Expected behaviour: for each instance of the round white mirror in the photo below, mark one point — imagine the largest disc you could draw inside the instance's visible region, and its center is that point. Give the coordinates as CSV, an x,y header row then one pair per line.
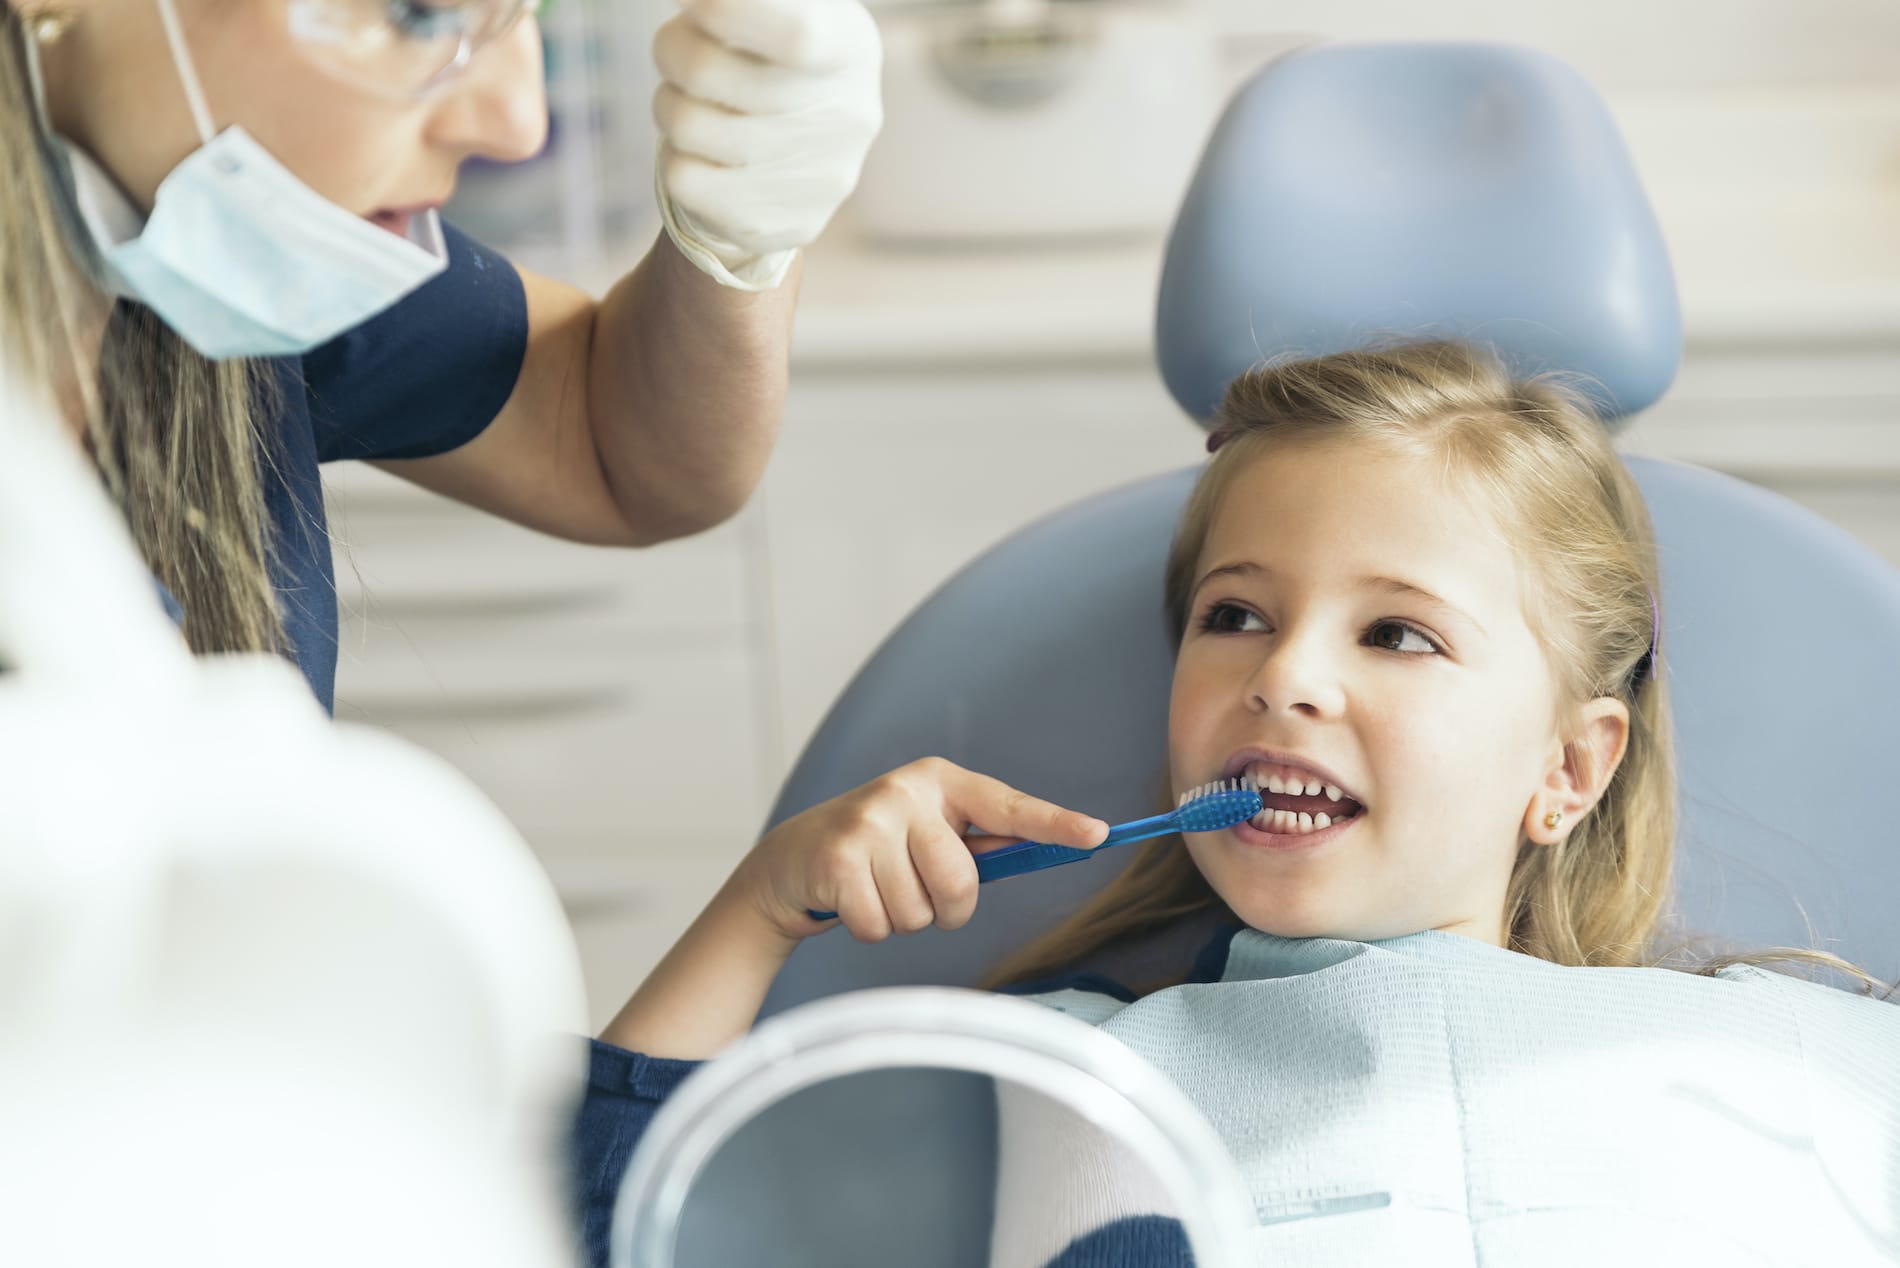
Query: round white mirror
x,y
928,1126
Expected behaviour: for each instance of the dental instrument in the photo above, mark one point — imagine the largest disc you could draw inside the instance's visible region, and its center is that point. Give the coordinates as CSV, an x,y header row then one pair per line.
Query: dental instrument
x,y
1207,808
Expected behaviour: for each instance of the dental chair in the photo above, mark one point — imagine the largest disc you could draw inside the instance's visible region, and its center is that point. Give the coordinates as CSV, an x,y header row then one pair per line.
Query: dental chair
x,y
1351,193
1348,193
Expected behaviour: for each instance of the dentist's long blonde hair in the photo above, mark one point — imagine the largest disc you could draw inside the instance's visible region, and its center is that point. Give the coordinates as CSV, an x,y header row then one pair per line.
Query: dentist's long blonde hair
x,y
1534,453
175,437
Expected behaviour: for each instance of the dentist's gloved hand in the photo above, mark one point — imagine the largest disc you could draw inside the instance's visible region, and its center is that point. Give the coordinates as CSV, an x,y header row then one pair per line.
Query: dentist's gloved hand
x,y
766,113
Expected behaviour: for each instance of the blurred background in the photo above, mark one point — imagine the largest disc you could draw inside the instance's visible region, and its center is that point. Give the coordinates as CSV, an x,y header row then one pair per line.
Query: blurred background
x,y
974,350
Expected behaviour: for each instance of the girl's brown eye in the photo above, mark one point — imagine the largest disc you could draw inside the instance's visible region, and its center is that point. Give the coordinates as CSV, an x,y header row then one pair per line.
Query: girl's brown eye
x,y
1391,636
1226,618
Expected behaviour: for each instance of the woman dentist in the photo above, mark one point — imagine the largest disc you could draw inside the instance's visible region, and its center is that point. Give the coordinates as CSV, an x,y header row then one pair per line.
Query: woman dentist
x,y
259,181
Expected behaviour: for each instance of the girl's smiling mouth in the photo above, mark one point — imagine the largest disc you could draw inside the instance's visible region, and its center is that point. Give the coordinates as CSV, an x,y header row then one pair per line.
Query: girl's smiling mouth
x,y
1301,807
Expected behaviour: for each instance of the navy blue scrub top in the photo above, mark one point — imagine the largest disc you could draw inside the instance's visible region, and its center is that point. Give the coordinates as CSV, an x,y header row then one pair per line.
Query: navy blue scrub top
x,y
421,378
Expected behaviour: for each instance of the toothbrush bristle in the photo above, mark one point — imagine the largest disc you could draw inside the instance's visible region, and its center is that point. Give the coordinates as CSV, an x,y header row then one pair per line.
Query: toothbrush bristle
x,y
1219,804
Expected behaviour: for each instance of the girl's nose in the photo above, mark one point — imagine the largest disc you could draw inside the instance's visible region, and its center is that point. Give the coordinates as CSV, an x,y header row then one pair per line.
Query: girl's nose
x,y
498,108
1296,675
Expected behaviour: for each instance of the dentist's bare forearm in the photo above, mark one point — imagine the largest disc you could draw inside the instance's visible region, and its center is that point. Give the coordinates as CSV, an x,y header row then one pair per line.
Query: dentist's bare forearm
x,y
707,991
686,388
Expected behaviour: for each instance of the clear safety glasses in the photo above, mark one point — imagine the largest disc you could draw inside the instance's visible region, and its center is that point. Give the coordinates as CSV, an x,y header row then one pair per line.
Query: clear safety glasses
x,y
401,49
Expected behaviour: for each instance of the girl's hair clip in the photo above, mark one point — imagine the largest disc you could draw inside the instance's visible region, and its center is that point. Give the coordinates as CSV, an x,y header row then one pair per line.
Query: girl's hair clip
x,y
1218,436
1647,664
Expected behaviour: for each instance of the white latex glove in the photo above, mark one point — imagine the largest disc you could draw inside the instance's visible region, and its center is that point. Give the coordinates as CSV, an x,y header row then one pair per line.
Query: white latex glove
x,y
766,112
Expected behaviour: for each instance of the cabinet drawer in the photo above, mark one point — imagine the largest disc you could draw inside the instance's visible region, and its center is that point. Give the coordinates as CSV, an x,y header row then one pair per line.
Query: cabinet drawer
x,y
403,552
571,726
1869,508
1770,412
627,907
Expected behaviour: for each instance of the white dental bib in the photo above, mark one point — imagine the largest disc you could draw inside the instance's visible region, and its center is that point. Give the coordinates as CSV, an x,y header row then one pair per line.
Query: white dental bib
x,y
1432,1100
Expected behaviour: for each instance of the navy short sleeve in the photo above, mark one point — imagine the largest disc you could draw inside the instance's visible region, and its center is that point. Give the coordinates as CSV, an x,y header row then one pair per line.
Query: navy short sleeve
x,y
427,375
421,378
624,1091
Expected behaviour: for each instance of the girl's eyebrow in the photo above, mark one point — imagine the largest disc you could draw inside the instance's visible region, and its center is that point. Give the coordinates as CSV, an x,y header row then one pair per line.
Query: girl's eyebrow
x,y
1390,585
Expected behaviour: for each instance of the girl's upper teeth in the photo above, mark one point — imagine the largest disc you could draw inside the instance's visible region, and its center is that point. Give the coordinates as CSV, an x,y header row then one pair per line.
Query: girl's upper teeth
x,y
1290,783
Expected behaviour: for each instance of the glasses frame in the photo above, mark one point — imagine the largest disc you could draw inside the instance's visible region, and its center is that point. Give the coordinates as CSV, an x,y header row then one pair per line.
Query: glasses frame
x,y
468,44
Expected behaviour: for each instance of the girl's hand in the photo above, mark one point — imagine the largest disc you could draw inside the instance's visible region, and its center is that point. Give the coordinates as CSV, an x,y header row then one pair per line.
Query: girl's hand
x,y
896,854
892,855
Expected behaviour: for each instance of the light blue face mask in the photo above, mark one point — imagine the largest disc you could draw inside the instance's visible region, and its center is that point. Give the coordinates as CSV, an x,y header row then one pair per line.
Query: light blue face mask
x,y
239,257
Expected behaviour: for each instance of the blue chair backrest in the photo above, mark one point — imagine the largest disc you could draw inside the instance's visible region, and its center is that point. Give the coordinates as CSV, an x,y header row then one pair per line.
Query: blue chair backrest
x,y
1459,190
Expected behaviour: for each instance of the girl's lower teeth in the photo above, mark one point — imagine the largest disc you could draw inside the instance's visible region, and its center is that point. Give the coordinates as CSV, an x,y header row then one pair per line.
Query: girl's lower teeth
x,y
1285,821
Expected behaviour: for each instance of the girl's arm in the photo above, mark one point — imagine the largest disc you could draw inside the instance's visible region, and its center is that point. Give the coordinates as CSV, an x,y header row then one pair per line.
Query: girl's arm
x,y
892,856
701,997
706,992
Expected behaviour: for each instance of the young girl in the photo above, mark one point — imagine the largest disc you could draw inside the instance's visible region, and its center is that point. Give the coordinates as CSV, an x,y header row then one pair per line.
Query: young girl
x,y
1418,601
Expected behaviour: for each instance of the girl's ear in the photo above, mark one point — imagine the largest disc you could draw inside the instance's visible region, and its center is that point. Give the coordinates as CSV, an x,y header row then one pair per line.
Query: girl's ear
x,y
1579,771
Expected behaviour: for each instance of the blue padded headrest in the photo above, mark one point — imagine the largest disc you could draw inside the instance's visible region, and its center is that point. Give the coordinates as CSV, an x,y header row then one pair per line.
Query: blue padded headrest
x,y
1355,192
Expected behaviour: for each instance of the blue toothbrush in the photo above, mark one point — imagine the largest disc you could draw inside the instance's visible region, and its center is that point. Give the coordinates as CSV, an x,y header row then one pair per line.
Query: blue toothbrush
x,y
1209,808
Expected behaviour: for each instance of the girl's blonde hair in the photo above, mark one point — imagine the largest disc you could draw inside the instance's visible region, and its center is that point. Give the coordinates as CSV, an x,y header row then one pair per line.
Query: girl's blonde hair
x,y
175,436
1535,453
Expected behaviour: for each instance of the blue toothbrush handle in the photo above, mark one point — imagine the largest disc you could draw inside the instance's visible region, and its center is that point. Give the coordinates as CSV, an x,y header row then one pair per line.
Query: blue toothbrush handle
x,y
1035,856
1140,830
1024,856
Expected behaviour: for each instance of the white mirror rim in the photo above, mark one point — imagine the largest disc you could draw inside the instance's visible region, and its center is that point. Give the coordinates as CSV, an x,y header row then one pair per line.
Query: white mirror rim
x,y
1011,1040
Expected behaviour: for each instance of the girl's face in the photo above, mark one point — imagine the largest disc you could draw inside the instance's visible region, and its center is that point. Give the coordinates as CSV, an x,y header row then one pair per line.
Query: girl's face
x,y
1358,625
113,90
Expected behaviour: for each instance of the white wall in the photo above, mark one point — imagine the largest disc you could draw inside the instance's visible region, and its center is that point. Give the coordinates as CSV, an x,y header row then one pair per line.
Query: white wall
x,y
1639,45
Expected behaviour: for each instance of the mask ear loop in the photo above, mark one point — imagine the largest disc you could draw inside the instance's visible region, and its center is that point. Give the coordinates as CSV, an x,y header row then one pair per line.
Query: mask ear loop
x,y
35,77
187,74
62,188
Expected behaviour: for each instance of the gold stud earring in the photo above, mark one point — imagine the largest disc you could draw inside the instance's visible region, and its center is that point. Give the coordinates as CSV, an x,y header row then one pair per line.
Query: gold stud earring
x,y
1552,819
